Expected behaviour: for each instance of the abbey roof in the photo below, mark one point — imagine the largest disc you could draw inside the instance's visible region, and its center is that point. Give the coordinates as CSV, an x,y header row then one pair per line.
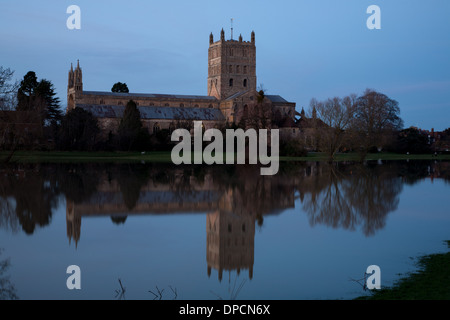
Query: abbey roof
x,y
160,113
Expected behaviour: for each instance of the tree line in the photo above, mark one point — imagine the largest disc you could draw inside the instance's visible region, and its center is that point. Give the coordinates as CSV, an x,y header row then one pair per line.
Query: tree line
x,y
31,118
368,123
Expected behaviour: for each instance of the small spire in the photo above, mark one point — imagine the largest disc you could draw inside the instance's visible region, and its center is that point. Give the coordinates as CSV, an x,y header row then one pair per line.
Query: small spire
x,y
78,63
211,38
222,35
71,67
253,36
240,38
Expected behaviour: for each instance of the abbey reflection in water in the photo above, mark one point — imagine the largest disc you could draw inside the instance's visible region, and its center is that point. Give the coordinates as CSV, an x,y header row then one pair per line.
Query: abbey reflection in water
x,y
235,198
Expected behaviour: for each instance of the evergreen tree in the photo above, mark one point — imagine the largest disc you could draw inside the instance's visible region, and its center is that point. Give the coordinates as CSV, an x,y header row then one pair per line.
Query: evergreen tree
x,y
132,135
120,87
79,130
26,93
39,96
46,91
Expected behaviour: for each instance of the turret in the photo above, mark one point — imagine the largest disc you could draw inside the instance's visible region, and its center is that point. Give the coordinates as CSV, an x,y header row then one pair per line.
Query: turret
x,y
71,81
78,77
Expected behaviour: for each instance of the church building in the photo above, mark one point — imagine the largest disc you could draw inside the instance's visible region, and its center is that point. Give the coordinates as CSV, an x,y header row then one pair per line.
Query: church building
x,y
231,92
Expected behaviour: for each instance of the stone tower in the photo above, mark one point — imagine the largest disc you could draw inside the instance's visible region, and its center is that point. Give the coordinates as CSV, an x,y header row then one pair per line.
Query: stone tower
x,y
74,86
230,238
231,66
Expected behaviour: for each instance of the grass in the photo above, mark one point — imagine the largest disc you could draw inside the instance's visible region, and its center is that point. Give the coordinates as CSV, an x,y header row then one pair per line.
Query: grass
x,y
164,157
430,282
70,157
371,156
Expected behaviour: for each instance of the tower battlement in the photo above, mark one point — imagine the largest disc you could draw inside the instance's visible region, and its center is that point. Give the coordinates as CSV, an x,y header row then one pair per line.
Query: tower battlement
x,y
231,66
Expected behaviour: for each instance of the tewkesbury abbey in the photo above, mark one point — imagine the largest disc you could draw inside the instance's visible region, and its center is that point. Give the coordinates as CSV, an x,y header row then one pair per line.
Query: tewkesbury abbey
x,y
231,95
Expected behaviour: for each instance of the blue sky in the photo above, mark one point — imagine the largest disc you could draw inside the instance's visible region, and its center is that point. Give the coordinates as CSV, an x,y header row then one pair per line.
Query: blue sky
x,y
305,49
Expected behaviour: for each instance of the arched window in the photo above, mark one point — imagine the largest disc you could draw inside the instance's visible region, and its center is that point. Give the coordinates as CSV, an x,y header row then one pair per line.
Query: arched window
x,y
182,105
231,82
245,83
156,127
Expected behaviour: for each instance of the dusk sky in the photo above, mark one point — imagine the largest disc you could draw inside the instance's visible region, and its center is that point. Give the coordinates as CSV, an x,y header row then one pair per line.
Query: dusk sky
x,y
305,49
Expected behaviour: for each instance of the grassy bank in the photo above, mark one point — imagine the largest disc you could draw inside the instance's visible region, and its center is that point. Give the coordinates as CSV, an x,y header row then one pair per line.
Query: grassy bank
x,y
164,157
430,282
71,157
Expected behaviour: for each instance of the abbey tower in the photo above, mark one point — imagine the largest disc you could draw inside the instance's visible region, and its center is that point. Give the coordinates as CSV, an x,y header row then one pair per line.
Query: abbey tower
x,y
231,66
231,93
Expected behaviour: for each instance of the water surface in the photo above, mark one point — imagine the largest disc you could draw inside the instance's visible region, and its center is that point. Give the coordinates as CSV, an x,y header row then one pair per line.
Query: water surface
x,y
216,232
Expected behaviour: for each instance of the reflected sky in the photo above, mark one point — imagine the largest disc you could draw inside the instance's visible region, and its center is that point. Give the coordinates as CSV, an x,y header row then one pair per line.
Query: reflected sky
x,y
226,232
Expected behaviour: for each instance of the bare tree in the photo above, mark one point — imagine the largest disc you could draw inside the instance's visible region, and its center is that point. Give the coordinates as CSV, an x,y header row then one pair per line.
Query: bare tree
x,y
335,116
376,118
8,89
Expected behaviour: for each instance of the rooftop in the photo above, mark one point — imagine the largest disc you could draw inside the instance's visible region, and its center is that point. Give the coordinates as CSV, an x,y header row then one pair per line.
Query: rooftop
x,y
150,95
162,113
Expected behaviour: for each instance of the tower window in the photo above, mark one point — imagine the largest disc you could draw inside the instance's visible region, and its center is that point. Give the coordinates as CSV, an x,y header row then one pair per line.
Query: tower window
x,y
245,69
230,69
231,82
237,69
245,83
156,127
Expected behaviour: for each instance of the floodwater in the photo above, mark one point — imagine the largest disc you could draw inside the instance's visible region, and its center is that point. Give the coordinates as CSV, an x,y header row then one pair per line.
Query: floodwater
x,y
216,232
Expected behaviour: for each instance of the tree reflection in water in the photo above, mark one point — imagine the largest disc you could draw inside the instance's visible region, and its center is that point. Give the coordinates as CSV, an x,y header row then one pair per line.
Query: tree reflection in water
x,y
346,196
339,195
7,289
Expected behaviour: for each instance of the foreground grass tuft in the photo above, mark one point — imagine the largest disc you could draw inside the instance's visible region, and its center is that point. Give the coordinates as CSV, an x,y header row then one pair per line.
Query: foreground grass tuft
x,y
430,282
